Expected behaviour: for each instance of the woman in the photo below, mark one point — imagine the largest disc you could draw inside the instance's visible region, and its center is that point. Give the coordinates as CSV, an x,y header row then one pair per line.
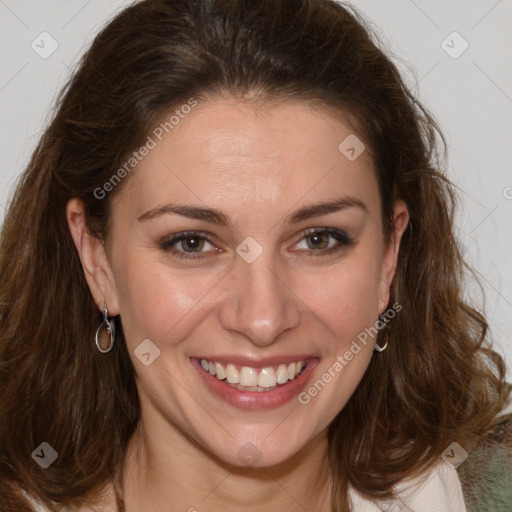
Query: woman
x,y
229,281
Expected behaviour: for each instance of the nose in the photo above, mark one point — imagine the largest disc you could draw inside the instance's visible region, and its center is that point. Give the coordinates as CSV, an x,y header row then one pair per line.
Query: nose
x,y
260,304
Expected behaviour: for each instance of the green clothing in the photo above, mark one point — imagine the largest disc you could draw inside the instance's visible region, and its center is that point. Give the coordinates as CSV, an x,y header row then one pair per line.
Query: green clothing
x,y
486,475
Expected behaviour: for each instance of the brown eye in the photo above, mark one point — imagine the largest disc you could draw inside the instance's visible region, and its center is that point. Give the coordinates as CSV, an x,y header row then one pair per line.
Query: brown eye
x,y
194,243
187,245
317,240
320,242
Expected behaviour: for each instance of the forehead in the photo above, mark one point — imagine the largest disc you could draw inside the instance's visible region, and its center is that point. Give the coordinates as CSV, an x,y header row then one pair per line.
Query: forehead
x,y
227,153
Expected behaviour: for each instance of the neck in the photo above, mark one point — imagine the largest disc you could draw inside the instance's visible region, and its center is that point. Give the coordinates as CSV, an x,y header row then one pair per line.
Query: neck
x,y
172,470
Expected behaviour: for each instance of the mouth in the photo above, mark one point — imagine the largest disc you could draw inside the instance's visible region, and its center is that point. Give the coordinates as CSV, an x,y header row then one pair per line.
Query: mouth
x,y
258,386
247,378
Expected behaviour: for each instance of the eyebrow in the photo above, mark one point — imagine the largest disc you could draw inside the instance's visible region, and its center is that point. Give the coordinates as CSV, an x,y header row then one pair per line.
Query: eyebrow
x,y
215,216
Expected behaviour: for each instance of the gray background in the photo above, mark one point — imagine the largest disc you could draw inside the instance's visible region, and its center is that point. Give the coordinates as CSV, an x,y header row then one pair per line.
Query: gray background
x,y
469,93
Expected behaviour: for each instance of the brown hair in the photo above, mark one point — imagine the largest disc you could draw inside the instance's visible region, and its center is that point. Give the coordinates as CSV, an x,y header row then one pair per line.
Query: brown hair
x,y
438,381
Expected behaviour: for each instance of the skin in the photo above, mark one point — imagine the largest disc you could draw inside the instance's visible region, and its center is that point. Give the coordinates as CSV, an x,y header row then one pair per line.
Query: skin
x,y
258,166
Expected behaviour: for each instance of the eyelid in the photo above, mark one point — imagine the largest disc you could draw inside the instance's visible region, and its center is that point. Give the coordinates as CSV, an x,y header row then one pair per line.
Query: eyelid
x,y
329,231
184,234
342,238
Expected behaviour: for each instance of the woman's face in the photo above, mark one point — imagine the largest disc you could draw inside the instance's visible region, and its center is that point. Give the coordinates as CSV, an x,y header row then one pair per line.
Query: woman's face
x,y
265,278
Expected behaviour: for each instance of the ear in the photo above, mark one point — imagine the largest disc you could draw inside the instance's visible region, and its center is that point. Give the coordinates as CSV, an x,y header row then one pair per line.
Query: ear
x,y
93,257
390,257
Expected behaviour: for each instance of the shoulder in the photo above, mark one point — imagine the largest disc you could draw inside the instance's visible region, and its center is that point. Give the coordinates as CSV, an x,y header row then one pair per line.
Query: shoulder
x,y
486,474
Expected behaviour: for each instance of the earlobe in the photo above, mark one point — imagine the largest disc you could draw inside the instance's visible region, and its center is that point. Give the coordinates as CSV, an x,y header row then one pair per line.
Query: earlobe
x,y
93,257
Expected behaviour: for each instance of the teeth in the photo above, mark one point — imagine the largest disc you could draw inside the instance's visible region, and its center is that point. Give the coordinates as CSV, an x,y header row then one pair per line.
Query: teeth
x,y
232,374
219,371
248,377
282,374
254,388
253,379
267,378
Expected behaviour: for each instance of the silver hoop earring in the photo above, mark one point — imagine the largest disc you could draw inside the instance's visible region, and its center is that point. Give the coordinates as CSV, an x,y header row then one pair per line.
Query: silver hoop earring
x,y
381,349
378,348
110,327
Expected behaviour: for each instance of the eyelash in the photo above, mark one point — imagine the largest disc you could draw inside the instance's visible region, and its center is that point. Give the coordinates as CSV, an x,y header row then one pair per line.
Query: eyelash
x,y
340,236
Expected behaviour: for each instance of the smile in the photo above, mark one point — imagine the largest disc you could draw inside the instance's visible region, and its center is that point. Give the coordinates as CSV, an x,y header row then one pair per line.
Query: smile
x,y
246,378
255,385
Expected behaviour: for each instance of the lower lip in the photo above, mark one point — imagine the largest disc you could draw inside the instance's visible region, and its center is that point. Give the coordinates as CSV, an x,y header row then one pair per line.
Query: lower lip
x,y
256,400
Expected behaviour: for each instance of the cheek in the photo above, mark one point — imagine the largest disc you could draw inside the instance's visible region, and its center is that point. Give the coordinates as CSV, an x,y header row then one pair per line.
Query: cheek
x,y
155,302
346,297
347,303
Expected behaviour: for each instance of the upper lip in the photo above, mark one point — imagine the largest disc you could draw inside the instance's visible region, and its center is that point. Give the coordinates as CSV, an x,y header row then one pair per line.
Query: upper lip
x,y
254,362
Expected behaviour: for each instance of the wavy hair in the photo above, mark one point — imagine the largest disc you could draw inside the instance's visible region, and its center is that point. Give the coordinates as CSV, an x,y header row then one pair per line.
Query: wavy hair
x,y
439,380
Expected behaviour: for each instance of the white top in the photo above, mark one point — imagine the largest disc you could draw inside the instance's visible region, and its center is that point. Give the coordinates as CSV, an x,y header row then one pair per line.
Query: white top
x,y
440,491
